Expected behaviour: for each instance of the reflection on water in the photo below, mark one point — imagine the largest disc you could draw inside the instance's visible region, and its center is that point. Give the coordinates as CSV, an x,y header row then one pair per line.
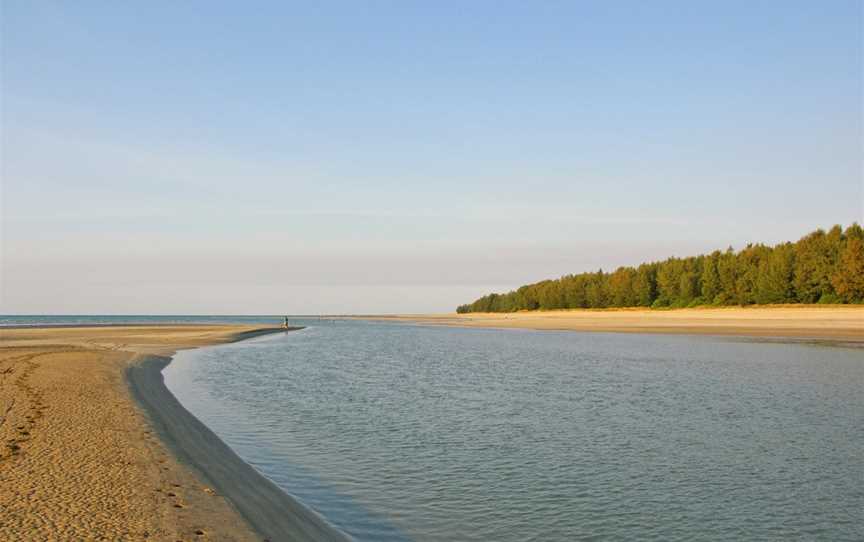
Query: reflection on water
x,y
427,433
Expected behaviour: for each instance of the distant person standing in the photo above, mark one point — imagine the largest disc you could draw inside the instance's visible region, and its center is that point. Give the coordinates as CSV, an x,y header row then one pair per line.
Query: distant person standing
x,y
285,323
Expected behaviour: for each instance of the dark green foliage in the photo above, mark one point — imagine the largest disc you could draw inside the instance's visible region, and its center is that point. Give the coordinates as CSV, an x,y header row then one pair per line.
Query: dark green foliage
x,y
848,277
710,279
820,268
776,271
645,285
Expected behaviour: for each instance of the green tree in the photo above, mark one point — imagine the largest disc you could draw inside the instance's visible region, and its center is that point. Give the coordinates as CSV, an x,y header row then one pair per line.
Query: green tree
x,y
727,271
686,288
669,281
848,279
645,285
776,272
550,295
816,255
621,287
710,277
823,267
595,290
574,292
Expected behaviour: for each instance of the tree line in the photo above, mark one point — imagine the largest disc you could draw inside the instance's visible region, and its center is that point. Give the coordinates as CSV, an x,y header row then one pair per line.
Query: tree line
x,y
822,267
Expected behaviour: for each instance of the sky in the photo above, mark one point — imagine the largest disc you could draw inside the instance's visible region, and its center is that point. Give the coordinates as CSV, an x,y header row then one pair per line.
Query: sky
x,y
392,157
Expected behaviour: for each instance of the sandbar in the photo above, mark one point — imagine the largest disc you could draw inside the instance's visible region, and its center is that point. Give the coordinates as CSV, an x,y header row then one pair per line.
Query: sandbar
x,y
93,446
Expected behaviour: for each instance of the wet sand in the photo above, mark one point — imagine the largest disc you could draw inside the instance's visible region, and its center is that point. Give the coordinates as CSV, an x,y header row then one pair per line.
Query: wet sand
x,y
838,323
81,459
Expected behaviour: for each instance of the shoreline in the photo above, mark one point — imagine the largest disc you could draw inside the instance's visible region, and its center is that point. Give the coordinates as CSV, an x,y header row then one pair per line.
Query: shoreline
x,y
269,511
836,324
79,406
83,454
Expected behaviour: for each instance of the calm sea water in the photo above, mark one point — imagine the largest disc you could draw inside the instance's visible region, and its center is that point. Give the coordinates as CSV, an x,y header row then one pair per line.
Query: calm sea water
x,y
397,432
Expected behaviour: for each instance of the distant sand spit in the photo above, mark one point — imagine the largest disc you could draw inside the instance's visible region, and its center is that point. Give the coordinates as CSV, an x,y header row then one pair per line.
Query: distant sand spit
x,y
808,322
81,460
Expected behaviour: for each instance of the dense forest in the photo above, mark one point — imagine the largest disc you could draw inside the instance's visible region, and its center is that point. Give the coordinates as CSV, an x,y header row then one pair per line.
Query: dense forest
x,y
822,267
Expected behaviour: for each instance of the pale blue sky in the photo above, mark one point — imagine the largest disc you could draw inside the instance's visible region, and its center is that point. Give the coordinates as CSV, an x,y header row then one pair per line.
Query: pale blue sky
x,y
210,157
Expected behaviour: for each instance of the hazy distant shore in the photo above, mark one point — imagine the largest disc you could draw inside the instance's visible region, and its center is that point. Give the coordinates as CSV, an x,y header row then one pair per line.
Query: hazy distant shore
x,y
82,458
43,325
843,323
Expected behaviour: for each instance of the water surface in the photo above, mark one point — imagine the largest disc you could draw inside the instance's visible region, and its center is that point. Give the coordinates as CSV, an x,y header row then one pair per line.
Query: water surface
x,y
398,432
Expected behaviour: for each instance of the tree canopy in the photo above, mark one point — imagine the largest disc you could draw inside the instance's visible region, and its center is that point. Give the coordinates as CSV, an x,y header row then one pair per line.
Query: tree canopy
x,y
822,267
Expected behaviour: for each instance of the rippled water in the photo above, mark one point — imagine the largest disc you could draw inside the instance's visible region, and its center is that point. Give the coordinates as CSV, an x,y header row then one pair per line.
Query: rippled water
x,y
398,432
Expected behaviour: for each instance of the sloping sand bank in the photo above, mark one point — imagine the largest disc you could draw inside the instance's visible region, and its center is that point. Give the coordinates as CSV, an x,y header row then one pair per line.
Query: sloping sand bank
x,y
832,323
81,460
271,512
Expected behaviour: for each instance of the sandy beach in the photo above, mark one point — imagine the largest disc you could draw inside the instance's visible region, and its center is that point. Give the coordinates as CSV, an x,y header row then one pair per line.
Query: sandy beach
x,y
95,447
808,322
82,459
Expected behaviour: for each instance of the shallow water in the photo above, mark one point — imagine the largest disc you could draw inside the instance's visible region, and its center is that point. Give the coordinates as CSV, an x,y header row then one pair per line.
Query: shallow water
x,y
398,432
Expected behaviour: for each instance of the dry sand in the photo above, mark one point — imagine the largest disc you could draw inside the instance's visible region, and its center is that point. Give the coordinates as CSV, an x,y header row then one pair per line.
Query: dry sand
x,y
78,457
832,323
